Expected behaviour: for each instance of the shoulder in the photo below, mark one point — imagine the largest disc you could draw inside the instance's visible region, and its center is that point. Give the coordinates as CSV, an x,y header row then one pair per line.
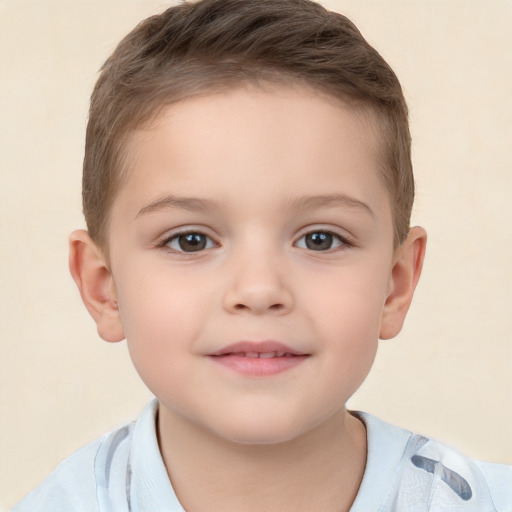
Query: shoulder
x,y
119,472
425,474
499,479
75,484
71,484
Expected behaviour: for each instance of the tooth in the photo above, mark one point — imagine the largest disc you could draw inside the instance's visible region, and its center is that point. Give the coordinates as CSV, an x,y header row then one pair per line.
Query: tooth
x,y
251,354
280,354
267,355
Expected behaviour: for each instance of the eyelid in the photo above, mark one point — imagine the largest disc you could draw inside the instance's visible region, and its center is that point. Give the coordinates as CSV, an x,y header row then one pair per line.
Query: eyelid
x,y
164,242
346,241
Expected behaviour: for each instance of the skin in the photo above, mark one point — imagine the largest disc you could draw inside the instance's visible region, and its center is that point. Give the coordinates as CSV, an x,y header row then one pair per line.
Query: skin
x,y
274,167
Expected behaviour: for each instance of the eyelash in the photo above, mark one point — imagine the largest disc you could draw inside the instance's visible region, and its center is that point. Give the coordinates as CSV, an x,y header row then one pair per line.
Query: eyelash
x,y
164,244
343,242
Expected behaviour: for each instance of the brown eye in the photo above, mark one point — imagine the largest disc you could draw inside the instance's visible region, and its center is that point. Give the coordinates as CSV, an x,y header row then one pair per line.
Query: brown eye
x,y
320,241
190,242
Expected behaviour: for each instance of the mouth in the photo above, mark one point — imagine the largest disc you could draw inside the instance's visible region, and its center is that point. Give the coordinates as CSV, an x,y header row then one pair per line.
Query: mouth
x,y
258,359
265,349
261,355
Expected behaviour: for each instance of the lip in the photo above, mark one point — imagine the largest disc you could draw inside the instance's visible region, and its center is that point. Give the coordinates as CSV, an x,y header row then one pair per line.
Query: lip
x,y
259,347
258,359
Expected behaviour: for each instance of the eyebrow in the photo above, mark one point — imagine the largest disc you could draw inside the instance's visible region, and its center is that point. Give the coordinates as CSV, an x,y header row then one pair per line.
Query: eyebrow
x,y
300,203
328,200
180,203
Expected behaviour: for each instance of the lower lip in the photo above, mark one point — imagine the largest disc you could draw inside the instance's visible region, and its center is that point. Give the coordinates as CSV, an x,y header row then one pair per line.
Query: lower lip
x,y
258,366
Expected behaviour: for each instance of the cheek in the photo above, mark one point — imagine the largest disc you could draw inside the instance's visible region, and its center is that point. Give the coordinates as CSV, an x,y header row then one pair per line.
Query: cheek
x,y
347,312
156,302
162,317
350,300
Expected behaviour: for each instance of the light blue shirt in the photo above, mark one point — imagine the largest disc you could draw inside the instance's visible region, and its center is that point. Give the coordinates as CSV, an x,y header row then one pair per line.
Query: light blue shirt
x,y
124,472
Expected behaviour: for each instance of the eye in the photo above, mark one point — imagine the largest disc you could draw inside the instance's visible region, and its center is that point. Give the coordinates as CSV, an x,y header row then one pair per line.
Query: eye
x,y
189,242
321,241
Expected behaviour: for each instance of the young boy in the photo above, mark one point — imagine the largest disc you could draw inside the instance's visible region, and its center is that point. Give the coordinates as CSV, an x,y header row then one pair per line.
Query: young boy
x,y
247,190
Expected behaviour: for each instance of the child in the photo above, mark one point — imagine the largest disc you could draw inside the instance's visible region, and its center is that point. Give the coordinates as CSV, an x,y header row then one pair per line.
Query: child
x,y
247,190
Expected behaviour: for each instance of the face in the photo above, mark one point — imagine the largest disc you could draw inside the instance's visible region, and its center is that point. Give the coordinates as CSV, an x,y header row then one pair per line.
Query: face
x,y
251,251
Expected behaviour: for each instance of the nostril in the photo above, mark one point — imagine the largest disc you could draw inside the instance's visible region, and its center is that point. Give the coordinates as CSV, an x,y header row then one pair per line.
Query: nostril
x,y
258,300
272,307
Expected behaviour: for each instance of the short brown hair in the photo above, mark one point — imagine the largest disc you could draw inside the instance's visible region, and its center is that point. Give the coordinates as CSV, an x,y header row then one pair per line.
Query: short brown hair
x,y
193,48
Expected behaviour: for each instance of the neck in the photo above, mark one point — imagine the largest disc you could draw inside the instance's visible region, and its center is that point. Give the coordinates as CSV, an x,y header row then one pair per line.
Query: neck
x,y
321,470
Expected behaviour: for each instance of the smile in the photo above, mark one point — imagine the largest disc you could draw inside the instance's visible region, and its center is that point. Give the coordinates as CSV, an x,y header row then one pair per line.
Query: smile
x,y
262,355
258,359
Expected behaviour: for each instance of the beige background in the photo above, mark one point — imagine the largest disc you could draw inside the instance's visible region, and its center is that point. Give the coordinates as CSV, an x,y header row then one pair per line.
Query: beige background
x,y
448,375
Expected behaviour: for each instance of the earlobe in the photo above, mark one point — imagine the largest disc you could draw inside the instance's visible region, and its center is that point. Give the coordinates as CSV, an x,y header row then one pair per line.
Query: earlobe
x,y
91,274
404,277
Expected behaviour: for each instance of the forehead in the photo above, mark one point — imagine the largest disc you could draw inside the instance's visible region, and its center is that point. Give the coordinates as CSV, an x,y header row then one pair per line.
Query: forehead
x,y
256,141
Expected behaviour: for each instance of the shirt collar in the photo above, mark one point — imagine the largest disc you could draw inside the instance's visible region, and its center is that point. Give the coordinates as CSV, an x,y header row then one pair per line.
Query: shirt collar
x,y
386,448
150,488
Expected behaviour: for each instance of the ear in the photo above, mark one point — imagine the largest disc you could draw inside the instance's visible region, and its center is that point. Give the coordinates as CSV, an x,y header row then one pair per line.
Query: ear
x,y
406,271
91,274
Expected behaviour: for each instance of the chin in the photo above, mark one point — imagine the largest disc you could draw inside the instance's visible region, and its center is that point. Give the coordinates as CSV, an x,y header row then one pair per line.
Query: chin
x,y
263,431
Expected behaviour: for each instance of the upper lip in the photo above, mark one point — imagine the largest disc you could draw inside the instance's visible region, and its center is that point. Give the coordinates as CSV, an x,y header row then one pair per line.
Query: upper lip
x,y
259,347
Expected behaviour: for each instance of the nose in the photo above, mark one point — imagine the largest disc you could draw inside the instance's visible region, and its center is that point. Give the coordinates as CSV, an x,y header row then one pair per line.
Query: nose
x,y
257,285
